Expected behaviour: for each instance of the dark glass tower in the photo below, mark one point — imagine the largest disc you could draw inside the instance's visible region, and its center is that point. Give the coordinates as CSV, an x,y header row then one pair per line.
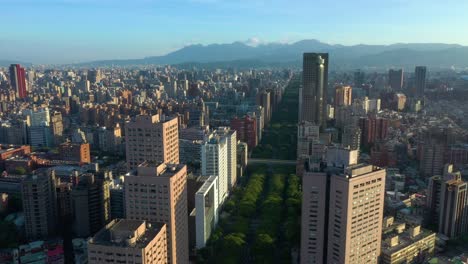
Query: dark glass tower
x,y
313,94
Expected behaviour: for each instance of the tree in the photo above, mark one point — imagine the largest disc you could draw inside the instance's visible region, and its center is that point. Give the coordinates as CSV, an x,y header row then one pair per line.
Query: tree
x,y
20,170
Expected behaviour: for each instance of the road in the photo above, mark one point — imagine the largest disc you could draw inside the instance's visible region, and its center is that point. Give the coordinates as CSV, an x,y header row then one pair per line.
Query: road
x,y
272,161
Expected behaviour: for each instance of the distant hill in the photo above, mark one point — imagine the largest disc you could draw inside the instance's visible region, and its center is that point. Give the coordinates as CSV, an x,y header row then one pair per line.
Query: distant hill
x,y
6,63
435,55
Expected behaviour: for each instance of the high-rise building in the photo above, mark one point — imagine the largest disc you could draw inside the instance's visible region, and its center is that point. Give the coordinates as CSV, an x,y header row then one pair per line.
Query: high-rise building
x,y
215,163
351,137
453,215
129,241
343,95
18,80
420,80
359,78
38,193
206,217
264,100
246,129
342,214
447,202
395,79
231,139
148,138
313,94
91,205
158,193
373,129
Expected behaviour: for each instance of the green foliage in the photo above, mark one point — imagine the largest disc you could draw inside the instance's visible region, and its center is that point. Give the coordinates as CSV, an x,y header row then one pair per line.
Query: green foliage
x,y
20,171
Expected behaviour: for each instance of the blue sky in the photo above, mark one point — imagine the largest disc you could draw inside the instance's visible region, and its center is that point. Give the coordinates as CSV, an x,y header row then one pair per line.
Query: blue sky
x,y
63,31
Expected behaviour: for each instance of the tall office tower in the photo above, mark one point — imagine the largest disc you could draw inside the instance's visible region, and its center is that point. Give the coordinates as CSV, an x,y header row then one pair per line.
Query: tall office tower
x,y
231,140
395,79
148,138
453,204
434,190
420,80
91,205
359,78
342,213
117,201
351,137
38,193
18,80
215,163
313,94
158,193
343,95
129,241
264,100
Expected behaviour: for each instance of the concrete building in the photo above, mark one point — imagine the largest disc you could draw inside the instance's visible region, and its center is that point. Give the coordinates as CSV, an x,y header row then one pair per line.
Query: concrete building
x,y
246,129
158,193
206,209
400,101
313,94
405,244
38,193
307,134
343,95
75,152
91,205
373,129
420,80
395,79
129,241
351,137
231,141
342,214
149,138
18,80
215,162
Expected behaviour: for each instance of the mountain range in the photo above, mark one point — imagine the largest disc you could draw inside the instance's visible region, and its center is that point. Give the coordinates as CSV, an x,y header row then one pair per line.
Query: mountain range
x,y
241,55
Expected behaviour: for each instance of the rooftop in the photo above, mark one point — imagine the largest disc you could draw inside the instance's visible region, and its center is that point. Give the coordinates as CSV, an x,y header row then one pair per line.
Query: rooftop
x,y
127,233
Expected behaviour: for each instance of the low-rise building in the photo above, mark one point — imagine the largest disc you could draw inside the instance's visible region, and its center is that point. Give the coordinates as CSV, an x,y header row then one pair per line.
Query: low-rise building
x,y
405,244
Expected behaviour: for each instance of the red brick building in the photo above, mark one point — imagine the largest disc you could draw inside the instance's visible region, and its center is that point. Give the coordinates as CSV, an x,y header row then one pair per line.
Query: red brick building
x,y
8,151
246,128
75,152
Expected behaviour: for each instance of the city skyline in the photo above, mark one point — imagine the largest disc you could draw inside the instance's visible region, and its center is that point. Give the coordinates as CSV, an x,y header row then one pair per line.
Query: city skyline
x,y
68,31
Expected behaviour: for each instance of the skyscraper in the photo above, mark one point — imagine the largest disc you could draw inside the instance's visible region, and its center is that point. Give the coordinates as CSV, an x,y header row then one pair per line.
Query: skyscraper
x,y
342,213
148,138
215,163
39,196
158,193
447,201
18,80
313,94
420,80
91,205
395,79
